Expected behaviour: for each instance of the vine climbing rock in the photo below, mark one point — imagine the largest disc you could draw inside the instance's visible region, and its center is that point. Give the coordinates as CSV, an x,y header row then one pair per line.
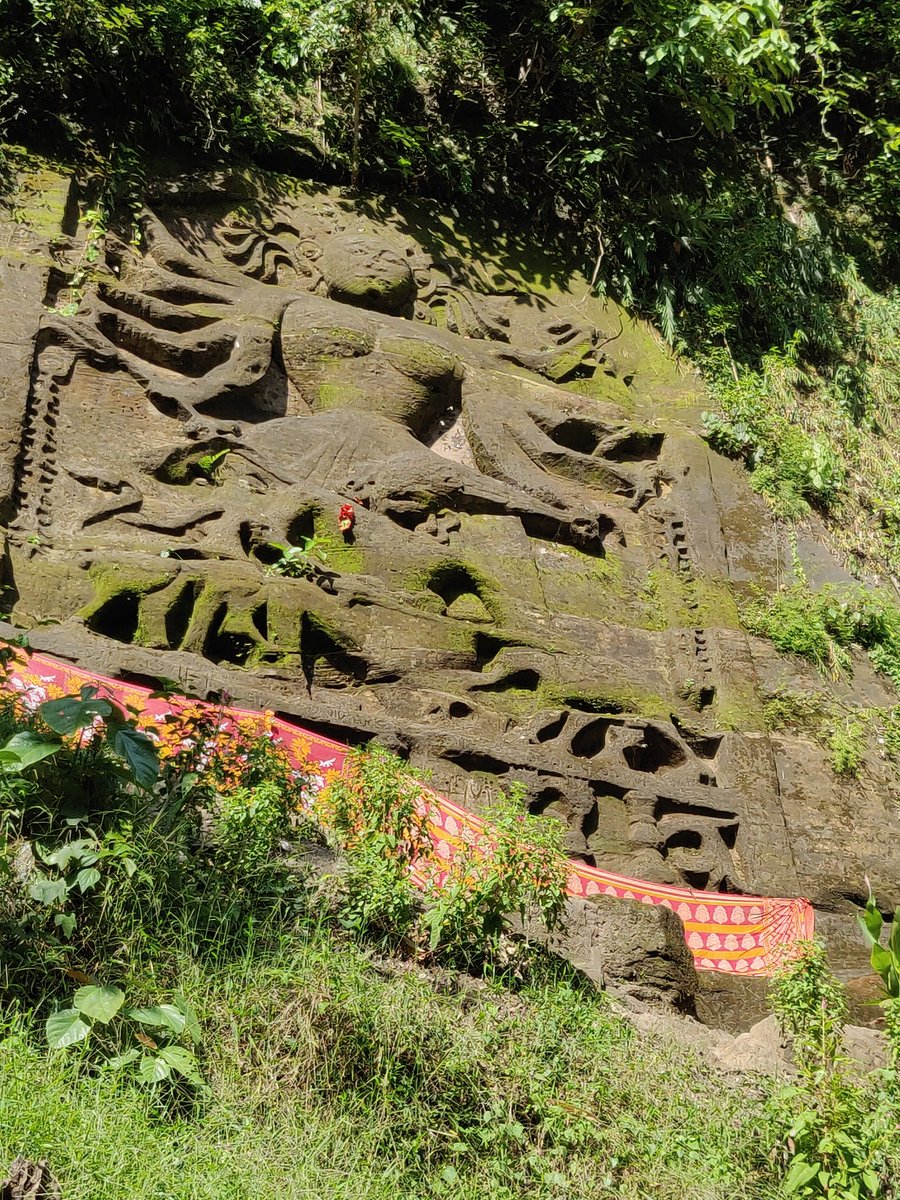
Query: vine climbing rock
x,y
545,565
30,1181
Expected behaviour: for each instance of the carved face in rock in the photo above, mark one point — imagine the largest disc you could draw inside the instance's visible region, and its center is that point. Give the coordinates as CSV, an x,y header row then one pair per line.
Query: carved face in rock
x,y
368,273
536,583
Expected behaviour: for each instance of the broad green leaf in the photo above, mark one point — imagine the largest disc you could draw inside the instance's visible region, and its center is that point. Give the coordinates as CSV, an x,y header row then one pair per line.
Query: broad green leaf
x,y
162,1016
881,961
154,1017
894,939
81,849
175,1017
48,891
138,751
87,878
191,1024
26,749
65,1028
66,923
99,1003
72,713
153,1069
800,1172
182,1063
870,922
123,1060
870,1179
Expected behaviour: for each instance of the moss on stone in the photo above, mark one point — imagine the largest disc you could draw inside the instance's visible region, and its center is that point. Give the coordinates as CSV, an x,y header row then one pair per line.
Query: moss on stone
x,y
567,359
633,701
608,569
111,582
605,389
433,576
468,607
738,707
678,600
338,394
341,555
383,293
324,345
42,197
419,358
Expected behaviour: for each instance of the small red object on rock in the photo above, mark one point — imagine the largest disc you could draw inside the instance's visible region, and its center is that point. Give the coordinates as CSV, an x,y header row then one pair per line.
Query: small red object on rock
x,y
346,518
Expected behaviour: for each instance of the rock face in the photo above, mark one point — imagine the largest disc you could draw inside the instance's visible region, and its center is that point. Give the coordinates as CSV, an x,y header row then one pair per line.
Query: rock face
x,y
542,577
633,949
29,1181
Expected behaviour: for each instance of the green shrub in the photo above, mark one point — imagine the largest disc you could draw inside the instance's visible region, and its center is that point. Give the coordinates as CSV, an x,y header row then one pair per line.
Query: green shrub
x,y
374,813
93,865
146,1041
840,1139
518,867
788,708
789,466
822,626
847,743
250,824
885,959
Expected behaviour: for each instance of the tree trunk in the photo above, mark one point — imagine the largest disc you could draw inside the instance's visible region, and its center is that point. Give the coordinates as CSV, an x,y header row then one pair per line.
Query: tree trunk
x,y
364,22
357,109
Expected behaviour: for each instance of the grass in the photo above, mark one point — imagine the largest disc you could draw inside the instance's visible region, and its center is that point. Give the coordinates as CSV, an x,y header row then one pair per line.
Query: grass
x,y
823,626
330,1068
333,1075
817,425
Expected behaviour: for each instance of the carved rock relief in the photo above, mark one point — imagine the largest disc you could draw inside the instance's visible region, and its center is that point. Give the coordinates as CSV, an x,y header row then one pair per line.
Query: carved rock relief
x,y
538,584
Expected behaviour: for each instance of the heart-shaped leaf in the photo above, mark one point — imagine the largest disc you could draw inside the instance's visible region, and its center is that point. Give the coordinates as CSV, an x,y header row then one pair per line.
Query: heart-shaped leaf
x,y
26,748
87,878
99,1003
82,850
65,922
65,1028
138,751
182,1063
72,713
154,1068
48,891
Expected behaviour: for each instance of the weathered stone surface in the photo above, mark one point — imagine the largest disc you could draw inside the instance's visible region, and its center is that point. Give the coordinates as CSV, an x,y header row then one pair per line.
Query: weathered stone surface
x,y
636,950
760,1050
543,578
29,1181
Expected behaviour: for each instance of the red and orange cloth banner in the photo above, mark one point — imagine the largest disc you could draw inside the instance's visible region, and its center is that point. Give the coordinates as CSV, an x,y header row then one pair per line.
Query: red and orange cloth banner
x,y
735,934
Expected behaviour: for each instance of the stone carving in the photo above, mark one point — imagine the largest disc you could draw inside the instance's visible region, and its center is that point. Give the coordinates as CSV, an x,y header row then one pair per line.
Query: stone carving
x,y
540,580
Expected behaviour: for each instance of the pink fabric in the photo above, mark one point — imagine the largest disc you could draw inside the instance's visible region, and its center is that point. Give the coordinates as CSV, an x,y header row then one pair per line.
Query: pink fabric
x,y
735,934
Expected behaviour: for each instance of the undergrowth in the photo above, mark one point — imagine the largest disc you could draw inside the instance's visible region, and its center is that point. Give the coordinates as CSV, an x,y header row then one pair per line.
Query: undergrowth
x,y
213,1023
824,626
841,1130
331,1074
815,423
